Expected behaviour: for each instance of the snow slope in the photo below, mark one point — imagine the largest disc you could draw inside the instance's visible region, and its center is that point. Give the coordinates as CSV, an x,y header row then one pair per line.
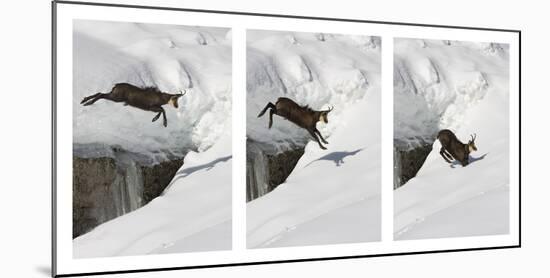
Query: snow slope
x,y
194,212
169,57
332,196
464,87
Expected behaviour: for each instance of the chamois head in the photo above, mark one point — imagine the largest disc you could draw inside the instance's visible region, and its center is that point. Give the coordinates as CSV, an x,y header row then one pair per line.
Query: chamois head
x,y
471,144
323,117
174,99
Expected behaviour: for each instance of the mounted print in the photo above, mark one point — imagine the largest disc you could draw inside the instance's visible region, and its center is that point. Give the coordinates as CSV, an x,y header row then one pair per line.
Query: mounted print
x,y
185,138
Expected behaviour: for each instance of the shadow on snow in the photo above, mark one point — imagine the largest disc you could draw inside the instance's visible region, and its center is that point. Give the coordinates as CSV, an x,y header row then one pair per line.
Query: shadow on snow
x,y
471,159
336,157
188,171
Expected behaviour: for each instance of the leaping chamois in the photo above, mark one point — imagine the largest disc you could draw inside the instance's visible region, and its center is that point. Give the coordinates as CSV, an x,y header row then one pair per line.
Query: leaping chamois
x,y
148,98
452,148
302,116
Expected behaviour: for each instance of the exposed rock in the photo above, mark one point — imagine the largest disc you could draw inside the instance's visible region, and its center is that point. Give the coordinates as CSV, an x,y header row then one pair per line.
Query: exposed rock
x,y
157,177
281,165
267,168
407,161
107,187
92,201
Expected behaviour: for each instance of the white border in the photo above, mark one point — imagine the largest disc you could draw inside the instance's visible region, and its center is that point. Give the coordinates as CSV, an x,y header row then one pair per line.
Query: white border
x,y
239,23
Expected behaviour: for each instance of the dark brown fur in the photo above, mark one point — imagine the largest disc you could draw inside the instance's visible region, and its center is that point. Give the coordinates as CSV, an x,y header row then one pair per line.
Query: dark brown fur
x,y
452,148
302,116
148,99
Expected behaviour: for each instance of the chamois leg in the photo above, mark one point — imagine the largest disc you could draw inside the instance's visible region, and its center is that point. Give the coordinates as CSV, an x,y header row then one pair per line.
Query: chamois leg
x,y
164,120
316,139
89,97
156,117
160,110
271,112
320,136
442,153
449,156
269,105
97,97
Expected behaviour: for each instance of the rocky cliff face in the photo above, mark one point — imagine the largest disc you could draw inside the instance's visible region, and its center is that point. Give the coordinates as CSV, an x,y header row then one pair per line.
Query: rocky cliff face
x,y
266,167
109,184
93,196
408,159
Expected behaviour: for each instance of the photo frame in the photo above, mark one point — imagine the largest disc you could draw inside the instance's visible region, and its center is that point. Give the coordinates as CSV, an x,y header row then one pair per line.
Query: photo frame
x,y
210,57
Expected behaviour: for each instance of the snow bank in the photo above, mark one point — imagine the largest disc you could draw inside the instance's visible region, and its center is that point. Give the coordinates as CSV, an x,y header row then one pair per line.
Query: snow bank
x,y
169,57
314,69
332,196
464,87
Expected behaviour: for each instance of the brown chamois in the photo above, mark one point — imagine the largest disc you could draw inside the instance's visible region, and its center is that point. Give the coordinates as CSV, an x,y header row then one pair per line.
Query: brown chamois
x,y
302,116
148,98
452,148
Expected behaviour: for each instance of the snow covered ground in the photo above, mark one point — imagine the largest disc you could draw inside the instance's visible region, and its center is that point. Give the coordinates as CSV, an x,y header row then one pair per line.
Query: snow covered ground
x,y
169,57
462,86
332,196
194,212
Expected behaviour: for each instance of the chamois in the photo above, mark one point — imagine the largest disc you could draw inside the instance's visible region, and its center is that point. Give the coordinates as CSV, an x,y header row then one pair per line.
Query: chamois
x,y
302,116
452,148
148,98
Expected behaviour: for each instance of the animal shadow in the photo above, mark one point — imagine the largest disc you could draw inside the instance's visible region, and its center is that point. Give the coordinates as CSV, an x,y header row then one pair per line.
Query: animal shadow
x,y
337,157
188,171
471,159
